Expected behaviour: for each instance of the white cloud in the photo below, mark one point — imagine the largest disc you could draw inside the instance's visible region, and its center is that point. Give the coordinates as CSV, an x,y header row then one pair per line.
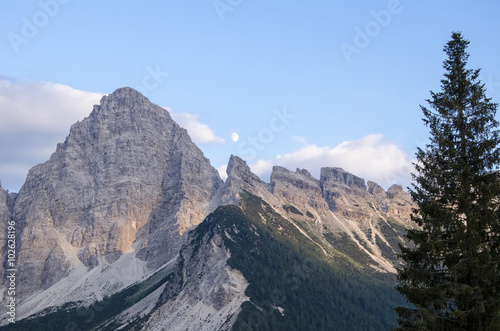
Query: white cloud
x,y
42,106
222,171
373,157
199,132
34,117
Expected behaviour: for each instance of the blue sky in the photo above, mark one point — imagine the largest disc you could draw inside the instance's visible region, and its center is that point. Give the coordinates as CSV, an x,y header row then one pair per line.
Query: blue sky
x,y
303,84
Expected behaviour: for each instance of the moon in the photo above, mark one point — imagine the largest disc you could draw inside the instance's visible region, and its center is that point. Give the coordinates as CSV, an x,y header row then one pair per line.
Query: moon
x,y
235,137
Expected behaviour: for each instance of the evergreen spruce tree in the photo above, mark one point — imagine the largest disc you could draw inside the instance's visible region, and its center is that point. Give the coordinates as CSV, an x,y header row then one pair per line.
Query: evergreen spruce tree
x,y
451,270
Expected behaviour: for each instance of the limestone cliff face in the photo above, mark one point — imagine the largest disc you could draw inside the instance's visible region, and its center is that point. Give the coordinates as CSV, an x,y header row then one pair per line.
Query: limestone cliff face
x,y
127,172
240,177
202,292
341,189
205,294
298,188
399,203
344,213
349,196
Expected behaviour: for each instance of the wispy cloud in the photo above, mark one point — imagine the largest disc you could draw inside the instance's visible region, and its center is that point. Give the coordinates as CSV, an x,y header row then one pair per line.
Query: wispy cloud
x,y
373,157
200,133
42,106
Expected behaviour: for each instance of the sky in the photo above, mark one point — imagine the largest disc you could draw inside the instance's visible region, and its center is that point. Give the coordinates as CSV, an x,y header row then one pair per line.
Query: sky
x,y
292,83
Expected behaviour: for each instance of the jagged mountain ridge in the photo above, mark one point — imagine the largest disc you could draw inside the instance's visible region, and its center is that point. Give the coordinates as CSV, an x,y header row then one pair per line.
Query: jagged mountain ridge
x,y
115,201
337,204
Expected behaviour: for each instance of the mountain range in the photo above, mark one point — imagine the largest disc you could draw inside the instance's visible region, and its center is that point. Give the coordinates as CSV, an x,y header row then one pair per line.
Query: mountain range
x,y
128,226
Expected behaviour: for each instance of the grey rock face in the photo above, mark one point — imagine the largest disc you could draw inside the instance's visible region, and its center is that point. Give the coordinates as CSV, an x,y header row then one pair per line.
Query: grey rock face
x,y
398,203
240,177
395,189
341,177
301,179
374,188
127,172
336,184
341,206
297,188
205,293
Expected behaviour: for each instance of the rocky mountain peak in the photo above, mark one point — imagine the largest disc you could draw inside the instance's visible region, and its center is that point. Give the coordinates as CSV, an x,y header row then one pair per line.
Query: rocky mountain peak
x,y
299,188
338,176
240,177
301,179
305,172
336,184
122,99
396,189
127,180
374,188
238,168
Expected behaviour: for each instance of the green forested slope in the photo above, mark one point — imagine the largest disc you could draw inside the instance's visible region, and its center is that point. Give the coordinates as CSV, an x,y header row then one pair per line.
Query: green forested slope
x,y
292,284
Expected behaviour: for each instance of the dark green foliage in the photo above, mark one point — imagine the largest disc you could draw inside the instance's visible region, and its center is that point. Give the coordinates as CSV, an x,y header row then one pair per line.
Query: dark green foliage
x,y
344,244
452,274
96,315
387,251
286,270
392,233
292,209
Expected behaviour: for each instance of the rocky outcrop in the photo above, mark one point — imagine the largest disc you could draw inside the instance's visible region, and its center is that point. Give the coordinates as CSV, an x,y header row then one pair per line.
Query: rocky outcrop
x,y
339,177
300,180
341,189
127,173
298,188
204,292
398,203
374,188
240,177
343,212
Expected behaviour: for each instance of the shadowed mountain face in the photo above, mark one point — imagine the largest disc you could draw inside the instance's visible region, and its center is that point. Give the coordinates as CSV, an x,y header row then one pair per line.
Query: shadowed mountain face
x,y
116,213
